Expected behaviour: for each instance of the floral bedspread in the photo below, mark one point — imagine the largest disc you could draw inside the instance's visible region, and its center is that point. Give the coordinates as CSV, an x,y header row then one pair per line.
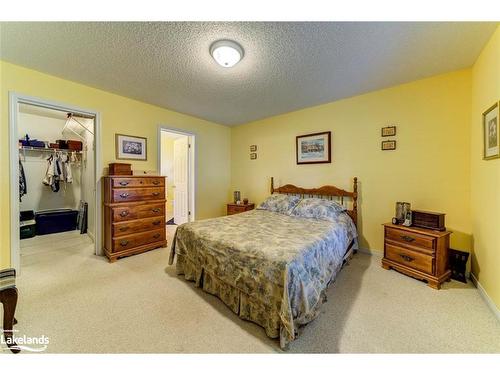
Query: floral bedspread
x,y
270,268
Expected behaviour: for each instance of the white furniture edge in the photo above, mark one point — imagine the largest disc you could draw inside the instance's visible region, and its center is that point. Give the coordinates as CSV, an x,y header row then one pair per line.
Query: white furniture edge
x,y
494,309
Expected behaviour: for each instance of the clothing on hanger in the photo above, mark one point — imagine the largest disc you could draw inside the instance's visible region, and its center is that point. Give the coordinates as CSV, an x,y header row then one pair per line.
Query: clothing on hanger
x,y
67,175
23,190
58,169
73,159
53,172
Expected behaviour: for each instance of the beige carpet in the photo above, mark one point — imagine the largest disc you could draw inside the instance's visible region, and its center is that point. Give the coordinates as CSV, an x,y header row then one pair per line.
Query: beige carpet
x,y
84,304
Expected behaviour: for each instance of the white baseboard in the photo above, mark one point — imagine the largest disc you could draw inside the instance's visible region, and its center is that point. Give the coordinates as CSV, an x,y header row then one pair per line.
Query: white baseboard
x,y
494,309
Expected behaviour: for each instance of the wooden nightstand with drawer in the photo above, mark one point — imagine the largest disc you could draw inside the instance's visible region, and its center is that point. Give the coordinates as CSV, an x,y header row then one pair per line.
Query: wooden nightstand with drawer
x,y
233,208
417,252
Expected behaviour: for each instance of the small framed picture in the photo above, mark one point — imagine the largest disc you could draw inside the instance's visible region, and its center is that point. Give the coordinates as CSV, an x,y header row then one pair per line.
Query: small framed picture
x,y
389,131
253,148
253,156
129,147
490,133
314,148
388,145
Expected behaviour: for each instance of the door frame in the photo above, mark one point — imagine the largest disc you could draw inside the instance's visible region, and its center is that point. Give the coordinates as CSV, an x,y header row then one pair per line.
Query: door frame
x,y
192,165
14,100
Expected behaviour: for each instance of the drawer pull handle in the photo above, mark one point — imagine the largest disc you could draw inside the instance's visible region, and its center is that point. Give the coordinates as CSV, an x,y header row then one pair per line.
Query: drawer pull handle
x,y
156,182
407,238
157,222
406,257
124,195
123,183
124,243
123,229
124,213
155,194
155,210
157,235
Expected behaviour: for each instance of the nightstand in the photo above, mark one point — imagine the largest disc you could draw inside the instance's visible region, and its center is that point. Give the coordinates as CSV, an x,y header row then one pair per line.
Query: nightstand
x,y
417,252
233,208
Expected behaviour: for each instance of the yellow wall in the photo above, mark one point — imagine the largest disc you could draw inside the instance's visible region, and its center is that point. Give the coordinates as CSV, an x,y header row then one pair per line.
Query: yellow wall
x,y
485,175
430,167
118,115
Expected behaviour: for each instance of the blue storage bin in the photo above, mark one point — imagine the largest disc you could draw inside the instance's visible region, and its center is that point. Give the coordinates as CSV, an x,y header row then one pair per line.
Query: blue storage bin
x,y
55,221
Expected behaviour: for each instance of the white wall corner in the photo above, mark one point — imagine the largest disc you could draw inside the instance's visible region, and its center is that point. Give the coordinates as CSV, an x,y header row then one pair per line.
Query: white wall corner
x,y
493,307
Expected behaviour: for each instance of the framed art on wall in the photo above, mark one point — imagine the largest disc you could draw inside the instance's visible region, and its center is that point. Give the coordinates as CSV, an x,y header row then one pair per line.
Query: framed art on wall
x,y
388,145
491,136
388,131
129,147
313,148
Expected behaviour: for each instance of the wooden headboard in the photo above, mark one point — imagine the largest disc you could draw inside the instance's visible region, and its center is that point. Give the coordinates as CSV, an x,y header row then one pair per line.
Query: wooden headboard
x,y
324,191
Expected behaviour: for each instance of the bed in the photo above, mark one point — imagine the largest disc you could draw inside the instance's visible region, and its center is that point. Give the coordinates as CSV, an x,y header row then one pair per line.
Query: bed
x,y
271,267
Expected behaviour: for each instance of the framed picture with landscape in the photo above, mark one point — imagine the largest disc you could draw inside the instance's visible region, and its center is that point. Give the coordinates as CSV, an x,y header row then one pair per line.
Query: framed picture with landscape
x,y
491,134
314,148
129,147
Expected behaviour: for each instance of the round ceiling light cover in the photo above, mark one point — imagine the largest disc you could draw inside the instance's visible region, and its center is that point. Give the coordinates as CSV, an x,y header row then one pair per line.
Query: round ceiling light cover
x,y
227,53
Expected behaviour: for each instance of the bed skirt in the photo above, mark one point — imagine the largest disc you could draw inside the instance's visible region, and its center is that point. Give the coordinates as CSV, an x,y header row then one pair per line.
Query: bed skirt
x,y
239,302
245,306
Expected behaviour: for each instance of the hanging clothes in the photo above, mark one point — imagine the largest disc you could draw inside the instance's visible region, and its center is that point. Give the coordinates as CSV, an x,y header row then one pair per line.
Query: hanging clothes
x,y
67,175
53,173
73,159
23,190
58,169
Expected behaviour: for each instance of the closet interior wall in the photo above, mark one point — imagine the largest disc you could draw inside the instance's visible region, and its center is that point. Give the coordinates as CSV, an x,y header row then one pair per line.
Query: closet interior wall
x,y
47,125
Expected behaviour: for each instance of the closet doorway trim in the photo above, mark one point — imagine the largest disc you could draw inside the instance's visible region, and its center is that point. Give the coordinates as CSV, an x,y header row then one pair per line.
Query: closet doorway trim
x,y
14,100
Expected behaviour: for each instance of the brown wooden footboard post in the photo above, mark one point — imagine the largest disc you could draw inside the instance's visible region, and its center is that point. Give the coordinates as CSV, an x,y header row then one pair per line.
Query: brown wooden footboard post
x,y
272,185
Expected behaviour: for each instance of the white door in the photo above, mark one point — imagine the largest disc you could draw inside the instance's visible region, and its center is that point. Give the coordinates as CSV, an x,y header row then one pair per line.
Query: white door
x,y
181,209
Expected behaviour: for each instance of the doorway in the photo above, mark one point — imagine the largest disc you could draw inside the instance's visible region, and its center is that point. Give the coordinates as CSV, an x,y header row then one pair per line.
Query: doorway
x,y
47,209
177,163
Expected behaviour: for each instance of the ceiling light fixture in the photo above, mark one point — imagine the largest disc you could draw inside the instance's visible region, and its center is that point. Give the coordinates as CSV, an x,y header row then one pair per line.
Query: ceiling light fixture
x,y
227,53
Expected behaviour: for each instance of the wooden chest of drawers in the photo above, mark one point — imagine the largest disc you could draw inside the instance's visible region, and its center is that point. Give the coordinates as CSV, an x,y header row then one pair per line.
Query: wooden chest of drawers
x,y
134,215
233,208
417,252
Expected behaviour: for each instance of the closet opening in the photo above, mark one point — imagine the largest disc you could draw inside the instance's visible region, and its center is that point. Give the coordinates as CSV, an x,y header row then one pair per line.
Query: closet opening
x,y
177,162
54,192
